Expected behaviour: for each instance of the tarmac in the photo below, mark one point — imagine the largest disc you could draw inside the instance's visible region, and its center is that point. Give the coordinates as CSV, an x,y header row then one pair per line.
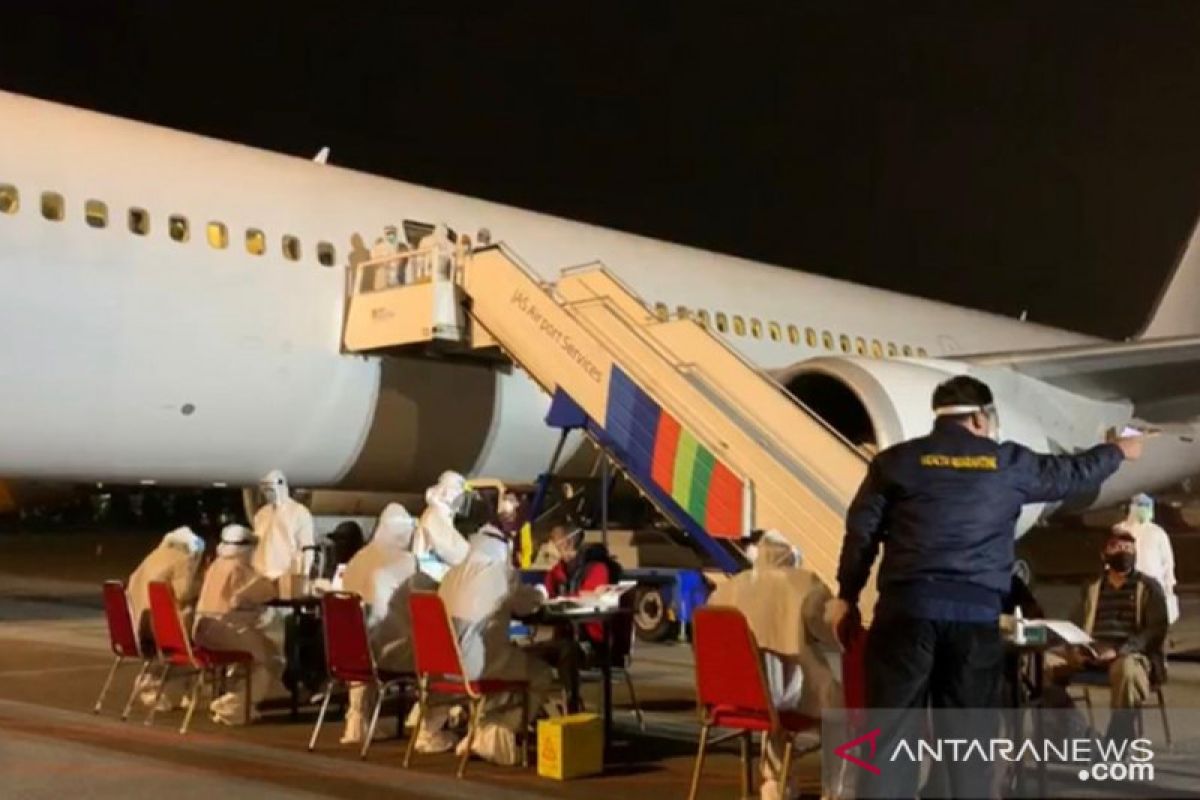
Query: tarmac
x,y
54,656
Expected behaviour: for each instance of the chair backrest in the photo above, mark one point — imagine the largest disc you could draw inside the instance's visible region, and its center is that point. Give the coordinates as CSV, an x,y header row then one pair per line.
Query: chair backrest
x,y
854,670
623,630
169,633
435,647
347,643
728,665
121,635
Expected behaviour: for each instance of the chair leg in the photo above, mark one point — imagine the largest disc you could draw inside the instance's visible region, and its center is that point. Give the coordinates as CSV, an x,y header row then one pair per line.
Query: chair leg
x,y
422,699
312,742
472,727
1087,701
699,763
379,692
744,739
166,675
249,667
1162,709
194,697
786,768
112,671
146,665
637,708
525,713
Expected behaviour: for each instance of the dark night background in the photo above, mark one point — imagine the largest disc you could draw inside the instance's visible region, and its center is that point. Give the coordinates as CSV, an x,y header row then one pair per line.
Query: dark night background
x,y
1041,156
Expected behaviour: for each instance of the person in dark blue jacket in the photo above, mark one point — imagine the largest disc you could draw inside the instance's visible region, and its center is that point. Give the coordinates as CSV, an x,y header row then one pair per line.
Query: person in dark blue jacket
x,y
944,508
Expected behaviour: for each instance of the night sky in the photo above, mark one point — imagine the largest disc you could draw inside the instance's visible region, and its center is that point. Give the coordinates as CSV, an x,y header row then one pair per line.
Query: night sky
x,y
1043,156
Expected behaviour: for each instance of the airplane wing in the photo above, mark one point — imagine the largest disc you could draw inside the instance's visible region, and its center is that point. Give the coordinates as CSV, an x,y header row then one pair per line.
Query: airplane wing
x,y
1160,376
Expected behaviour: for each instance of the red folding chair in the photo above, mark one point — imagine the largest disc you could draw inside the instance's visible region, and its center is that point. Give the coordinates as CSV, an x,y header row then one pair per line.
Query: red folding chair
x,y
440,671
177,651
122,637
350,659
733,691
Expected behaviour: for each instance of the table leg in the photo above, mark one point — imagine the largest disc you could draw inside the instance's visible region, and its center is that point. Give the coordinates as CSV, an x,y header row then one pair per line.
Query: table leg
x,y
292,636
606,671
1039,688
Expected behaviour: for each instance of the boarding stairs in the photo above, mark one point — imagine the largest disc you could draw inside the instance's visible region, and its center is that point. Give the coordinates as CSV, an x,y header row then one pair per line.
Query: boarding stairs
x,y
720,447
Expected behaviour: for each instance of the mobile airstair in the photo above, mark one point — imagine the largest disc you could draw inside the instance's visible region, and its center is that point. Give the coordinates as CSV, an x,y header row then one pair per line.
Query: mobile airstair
x,y
718,445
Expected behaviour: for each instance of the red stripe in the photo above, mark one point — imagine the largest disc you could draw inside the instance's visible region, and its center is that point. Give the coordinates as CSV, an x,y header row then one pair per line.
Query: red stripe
x,y
724,517
662,468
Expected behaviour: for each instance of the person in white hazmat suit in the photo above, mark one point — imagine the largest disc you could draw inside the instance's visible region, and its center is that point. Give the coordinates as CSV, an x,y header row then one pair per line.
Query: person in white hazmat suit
x,y
784,605
284,529
482,594
437,544
1155,557
228,617
176,560
383,574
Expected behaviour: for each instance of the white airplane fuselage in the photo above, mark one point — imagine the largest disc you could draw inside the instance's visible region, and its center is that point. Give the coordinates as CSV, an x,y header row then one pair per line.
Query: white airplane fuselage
x,y
134,357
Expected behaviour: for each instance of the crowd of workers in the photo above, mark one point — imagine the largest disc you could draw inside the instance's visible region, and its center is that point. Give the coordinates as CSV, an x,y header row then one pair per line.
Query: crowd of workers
x,y
395,262
942,509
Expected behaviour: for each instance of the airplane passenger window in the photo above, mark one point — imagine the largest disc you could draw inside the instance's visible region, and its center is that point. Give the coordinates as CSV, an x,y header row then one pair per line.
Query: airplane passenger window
x,y
177,226
256,242
218,235
876,349
774,331
95,213
661,311
755,328
907,350
827,340
739,325
793,334
810,337
892,352
860,346
139,221
326,254
682,312
921,352
52,206
722,322
10,199
705,319
291,248
844,340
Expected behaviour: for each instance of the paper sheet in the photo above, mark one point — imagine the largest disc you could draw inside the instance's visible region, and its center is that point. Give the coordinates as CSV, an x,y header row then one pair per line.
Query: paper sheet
x,y
1068,631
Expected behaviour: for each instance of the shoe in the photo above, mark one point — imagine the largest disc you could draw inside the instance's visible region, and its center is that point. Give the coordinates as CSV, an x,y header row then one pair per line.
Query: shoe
x,y
235,720
438,742
354,730
224,702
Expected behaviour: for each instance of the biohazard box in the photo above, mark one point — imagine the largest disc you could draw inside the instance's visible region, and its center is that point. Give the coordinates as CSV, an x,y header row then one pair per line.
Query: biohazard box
x,y
570,746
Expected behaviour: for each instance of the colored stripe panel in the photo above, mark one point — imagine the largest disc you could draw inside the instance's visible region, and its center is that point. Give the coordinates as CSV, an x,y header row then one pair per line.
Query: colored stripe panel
x,y
725,496
685,462
665,445
701,474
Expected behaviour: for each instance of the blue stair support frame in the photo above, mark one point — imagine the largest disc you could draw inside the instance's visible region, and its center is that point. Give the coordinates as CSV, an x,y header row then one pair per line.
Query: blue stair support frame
x,y
565,414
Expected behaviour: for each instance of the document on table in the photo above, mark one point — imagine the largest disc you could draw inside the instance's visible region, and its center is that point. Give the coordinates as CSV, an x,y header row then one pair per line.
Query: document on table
x,y
1068,631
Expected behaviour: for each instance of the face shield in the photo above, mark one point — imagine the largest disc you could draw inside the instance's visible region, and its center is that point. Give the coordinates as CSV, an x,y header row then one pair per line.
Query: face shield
x,y
989,412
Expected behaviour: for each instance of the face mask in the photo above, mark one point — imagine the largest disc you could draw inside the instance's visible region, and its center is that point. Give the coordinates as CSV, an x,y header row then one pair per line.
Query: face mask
x,y
1120,561
1143,514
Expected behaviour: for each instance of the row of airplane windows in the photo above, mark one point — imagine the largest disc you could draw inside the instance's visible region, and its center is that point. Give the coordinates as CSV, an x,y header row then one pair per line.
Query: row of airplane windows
x,y
179,228
775,332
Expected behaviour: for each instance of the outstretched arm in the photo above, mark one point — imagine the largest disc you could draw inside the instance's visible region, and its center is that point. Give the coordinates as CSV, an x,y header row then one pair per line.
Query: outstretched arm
x,y
1046,478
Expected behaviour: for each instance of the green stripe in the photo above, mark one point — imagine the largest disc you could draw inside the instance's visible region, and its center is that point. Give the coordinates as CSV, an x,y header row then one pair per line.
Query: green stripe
x,y
701,477
685,462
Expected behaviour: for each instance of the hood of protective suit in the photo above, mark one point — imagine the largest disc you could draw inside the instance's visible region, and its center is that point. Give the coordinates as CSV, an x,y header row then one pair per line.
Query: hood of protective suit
x,y
774,551
237,541
276,480
395,528
184,539
449,491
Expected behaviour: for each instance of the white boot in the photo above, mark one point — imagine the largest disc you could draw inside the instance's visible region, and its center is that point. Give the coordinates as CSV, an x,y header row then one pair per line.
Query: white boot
x,y
355,728
441,741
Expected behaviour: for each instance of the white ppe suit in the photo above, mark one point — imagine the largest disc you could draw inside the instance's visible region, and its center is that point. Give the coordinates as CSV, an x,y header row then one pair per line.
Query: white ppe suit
x,y
1155,556
176,561
785,608
437,544
481,596
228,617
383,574
284,529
